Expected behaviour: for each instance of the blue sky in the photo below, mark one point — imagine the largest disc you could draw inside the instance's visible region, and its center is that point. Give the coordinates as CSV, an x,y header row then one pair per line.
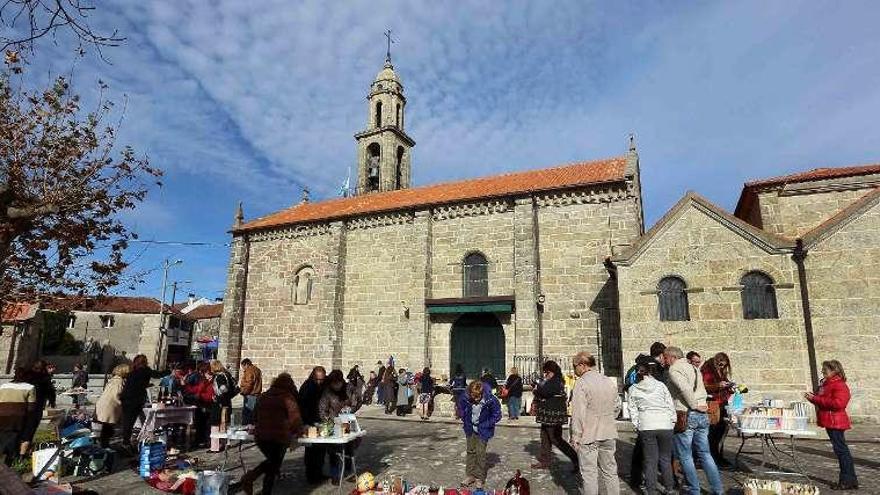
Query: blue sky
x,y
243,101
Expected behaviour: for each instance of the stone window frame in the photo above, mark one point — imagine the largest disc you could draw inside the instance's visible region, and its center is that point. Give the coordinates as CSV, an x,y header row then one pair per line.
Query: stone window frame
x,y
107,321
465,271
71,322
682,295
295,290
769,307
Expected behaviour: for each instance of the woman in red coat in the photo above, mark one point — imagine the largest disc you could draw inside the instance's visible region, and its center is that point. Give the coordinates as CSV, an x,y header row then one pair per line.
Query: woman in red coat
x,y
830,402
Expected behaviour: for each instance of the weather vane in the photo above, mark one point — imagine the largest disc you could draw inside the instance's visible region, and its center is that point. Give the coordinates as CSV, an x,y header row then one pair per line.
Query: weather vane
x,y
388,51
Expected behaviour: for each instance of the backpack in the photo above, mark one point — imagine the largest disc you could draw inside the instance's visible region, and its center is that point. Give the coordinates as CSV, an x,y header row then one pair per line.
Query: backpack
x,y
629,379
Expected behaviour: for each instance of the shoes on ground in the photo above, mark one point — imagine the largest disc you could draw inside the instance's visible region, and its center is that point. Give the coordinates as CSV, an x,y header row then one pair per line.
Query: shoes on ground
x,y
844,486
468,482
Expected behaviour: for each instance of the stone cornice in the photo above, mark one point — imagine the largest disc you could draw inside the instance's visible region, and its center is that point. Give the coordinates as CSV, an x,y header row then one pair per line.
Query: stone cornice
x,y
292,232
447,212
367,222
605,194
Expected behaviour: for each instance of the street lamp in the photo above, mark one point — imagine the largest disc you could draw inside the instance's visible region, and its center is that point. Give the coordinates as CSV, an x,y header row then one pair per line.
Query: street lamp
x,y
166,265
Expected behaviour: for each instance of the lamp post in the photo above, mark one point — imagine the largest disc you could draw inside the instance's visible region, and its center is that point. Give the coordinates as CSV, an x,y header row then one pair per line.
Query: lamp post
x,y
166,265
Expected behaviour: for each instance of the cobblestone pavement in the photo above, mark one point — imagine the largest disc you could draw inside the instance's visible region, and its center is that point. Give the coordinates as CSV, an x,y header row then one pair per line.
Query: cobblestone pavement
x,y
433,452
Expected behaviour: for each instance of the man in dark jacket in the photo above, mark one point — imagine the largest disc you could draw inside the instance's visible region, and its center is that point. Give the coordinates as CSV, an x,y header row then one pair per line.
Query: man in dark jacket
x,y
656,363
309,397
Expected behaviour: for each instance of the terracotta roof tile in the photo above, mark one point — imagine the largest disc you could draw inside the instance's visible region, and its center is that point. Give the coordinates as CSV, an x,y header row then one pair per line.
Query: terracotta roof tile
x,y
817,174
206,312
16,312
117,304
567,176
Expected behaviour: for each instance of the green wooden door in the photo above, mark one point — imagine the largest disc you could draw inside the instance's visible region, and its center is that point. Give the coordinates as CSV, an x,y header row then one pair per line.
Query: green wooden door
x,y
477,342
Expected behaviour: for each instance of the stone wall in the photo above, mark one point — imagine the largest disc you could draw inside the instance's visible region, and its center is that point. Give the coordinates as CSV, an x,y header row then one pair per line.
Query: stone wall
x,y
379,271
711,259
843,273
574,241
373,274
278,334
792,213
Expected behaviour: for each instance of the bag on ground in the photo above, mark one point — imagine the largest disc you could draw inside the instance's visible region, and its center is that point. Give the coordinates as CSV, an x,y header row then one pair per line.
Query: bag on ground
x,y
212,483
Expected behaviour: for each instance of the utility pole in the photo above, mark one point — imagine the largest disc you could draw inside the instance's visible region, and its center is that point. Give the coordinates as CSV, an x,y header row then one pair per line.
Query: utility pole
x,y
166,265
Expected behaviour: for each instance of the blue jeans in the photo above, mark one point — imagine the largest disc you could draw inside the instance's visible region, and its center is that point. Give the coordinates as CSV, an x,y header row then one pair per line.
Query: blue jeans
x,y
247,409
844,458
695,442
514,406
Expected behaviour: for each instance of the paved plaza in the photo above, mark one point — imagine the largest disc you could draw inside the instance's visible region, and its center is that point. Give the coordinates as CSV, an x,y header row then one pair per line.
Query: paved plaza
x,y
433,452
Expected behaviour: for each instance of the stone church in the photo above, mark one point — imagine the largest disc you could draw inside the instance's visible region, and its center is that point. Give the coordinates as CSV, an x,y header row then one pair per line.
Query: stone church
x,y
502,270
474,272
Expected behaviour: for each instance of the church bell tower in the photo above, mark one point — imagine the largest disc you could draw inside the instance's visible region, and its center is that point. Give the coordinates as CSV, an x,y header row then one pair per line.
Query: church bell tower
x,y
384,149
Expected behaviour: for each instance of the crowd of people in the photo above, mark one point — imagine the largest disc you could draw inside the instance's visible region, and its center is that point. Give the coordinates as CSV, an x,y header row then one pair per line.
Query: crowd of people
x,y
675,403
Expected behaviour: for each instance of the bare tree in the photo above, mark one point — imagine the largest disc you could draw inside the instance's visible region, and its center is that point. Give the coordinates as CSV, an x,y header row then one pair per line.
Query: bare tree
x,y
35,19
63,184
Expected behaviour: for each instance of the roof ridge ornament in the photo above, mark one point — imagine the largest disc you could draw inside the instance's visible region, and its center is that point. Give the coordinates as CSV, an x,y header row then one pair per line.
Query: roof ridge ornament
x,y
632,142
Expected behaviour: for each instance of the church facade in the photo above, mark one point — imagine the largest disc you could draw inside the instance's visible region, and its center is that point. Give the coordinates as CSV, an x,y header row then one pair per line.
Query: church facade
x,y
508,269
475,272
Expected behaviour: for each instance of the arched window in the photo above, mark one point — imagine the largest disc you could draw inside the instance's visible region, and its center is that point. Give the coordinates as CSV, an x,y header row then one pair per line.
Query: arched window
x,y
379,114
476,275
673,299
374,151
758,297
302,285
399,168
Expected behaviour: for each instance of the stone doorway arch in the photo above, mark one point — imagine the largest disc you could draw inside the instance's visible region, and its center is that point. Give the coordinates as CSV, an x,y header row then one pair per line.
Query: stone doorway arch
x,y
476,342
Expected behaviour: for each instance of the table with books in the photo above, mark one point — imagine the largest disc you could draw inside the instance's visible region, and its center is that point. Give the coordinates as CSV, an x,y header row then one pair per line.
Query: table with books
x,y
770,421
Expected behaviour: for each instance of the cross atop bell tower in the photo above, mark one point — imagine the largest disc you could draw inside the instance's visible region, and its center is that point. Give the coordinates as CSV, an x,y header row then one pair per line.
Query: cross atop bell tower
x,y
384,162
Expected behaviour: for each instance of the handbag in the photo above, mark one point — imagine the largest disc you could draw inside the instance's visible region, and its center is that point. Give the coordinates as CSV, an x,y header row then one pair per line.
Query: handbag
x,y
552,411
713,409
504,392
681,422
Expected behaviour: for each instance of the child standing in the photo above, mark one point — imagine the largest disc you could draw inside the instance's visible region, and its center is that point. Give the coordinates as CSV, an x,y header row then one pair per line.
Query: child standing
x,y
480,411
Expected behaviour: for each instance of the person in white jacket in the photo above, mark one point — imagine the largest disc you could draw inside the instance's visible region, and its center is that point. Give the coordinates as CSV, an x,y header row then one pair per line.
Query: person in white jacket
x,y
652,413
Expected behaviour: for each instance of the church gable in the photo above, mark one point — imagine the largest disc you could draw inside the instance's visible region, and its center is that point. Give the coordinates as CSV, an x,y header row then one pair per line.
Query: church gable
x,y
861,214
792,205
687,221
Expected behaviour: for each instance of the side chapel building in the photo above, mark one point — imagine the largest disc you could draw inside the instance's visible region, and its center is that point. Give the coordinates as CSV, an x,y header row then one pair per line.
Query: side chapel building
x,y
488,271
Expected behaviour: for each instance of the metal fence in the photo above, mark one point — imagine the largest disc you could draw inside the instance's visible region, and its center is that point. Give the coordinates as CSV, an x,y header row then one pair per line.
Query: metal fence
x,y
530,366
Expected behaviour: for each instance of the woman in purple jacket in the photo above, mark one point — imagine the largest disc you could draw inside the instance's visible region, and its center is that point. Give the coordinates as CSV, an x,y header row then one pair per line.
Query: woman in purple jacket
x,y
480,411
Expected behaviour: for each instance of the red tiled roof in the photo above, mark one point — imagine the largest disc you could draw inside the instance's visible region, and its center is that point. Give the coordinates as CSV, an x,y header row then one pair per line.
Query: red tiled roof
x,y
206,312
18,312
817,174
122,304
561,177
